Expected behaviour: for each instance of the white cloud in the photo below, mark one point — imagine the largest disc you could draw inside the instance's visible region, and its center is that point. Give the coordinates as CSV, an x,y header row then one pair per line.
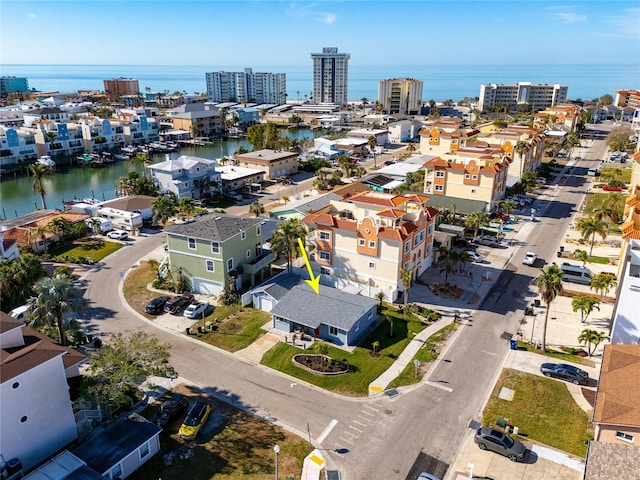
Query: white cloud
x,y
566,14
328,18
621,25
308,10
31,15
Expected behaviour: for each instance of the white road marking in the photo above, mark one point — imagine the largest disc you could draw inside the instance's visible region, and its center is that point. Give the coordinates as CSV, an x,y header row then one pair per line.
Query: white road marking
x,y
489,353
327,431
372,408
356,429
369,413
347,441
366,419
360,423
440,386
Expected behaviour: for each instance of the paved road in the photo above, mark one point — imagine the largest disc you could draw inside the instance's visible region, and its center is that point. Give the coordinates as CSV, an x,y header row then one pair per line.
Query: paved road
x,y
380,438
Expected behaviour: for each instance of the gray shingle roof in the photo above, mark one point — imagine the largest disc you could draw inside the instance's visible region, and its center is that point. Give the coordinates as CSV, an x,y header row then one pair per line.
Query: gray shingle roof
x,y
213,226
331,307
280,285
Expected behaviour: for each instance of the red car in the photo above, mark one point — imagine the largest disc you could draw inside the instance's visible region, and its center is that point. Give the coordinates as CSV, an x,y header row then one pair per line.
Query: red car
x,y
607,188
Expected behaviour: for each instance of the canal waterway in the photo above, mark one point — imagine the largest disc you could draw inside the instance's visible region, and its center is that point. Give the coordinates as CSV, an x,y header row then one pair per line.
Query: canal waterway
x,y
70,183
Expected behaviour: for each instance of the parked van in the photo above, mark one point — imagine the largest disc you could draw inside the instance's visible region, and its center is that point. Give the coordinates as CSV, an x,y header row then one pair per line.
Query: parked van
x,y
576,273
105,225
592,172
20,312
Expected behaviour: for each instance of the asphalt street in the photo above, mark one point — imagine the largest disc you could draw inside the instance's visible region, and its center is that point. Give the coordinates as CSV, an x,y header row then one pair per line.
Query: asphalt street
x,y
381,437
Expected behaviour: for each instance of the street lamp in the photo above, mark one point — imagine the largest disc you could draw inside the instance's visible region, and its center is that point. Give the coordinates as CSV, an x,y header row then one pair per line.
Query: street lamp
x,y
276,449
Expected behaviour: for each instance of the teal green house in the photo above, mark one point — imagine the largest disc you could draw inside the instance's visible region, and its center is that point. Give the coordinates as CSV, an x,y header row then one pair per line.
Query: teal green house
x,y
216,251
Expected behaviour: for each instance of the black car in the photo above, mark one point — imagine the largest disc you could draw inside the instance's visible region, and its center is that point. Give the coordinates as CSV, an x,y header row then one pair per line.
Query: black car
x,y
176,304
175,405
156,306
497,441
566,372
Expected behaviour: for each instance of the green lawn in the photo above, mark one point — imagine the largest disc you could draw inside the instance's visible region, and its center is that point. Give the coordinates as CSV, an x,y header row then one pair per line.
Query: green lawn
x,y
542,409
427,354
563,356
95,248
363,367
239,332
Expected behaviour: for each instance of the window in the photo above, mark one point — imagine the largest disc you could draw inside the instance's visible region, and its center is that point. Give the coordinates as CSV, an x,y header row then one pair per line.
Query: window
x,y
248,253
362,242
210,266
258,249
215,247
23,419
473,190
439,188
116,472
325,236
144,450
333,331
243,235
624,436
430,229
372,265
229,264
325,271
372,244
439,174
326,256
192,243
474,177
258,230
407,247
467,176
15,385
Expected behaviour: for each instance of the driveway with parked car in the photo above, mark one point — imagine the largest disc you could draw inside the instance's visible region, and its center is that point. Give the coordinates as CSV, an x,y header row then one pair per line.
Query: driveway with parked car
x,y
488,438
563,371
178,303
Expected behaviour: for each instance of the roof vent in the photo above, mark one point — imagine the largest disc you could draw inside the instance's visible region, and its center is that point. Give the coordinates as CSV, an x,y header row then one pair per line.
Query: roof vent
x,y
218,218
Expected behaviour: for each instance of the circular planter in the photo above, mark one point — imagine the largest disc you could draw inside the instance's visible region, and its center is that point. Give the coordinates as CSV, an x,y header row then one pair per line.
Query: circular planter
x,y
320,364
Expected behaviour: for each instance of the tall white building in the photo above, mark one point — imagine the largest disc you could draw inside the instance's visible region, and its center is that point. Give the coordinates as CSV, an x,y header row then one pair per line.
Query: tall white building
x,y
400,95
330,76
537,96
259,87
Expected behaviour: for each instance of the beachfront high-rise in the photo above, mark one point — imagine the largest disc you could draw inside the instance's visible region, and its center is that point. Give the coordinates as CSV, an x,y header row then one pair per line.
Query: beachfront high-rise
x,y
260,87
330,76
9,85
537,96
400,95
119,87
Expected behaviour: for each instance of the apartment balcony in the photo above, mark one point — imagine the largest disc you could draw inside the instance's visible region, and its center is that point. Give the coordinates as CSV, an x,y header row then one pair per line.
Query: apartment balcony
x,y
258,263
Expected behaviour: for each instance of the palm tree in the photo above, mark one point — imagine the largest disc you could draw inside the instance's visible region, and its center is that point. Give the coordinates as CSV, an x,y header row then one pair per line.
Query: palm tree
x,y
585,304
256,208
461,258
38,172
522,148
588,227
286,238
360,171
411,147
141,158
95,225
603,282
406,275
372,142
612,205
39,233
454,212
53,299
375,345
528,181
508,206
477,220
345,165
581,255
186,206
164,208
446,256
549,286
591,338
381,296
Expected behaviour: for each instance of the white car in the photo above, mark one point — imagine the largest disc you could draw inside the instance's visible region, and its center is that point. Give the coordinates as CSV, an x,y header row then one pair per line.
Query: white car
x,y
475,256
118,235
529,258
196,310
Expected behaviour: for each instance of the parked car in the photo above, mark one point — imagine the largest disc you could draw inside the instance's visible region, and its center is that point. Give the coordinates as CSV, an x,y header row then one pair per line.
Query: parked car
x,y
156,305
178,303
427,476
118,235
609,188
529,258
169,409
196,310
460,242
194,420
487,240
572,374
541,180
496,441
475,256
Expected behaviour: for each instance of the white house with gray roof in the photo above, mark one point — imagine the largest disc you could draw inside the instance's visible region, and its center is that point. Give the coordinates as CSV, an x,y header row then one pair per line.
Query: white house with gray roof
x,y
332,315
186,176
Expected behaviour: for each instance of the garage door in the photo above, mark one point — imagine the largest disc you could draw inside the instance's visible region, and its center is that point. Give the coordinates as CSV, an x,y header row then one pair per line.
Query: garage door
x,y
266,304
207,287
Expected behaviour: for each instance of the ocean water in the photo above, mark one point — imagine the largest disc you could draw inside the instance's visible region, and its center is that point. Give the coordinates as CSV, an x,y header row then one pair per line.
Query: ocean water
x,y
441,82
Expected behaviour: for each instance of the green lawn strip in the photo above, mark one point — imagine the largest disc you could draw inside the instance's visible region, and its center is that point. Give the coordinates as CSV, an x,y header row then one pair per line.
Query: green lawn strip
x,y
363,368
564,357
622,174
542,409
427,354
237,333
94,248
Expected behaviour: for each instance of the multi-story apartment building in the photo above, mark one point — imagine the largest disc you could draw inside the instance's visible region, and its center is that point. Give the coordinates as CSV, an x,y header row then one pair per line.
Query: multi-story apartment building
x,y
400,95
273,164
330,76
565,116
137,129
534,95
205,122
217,252
627,98
508,139
36,417
186,176
9,85
260,87
364,243
117,87
102,134
445,136
58,138
17,145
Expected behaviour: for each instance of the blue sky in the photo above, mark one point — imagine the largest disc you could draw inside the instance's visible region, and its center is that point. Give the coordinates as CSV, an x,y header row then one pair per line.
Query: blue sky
x,y
263,32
